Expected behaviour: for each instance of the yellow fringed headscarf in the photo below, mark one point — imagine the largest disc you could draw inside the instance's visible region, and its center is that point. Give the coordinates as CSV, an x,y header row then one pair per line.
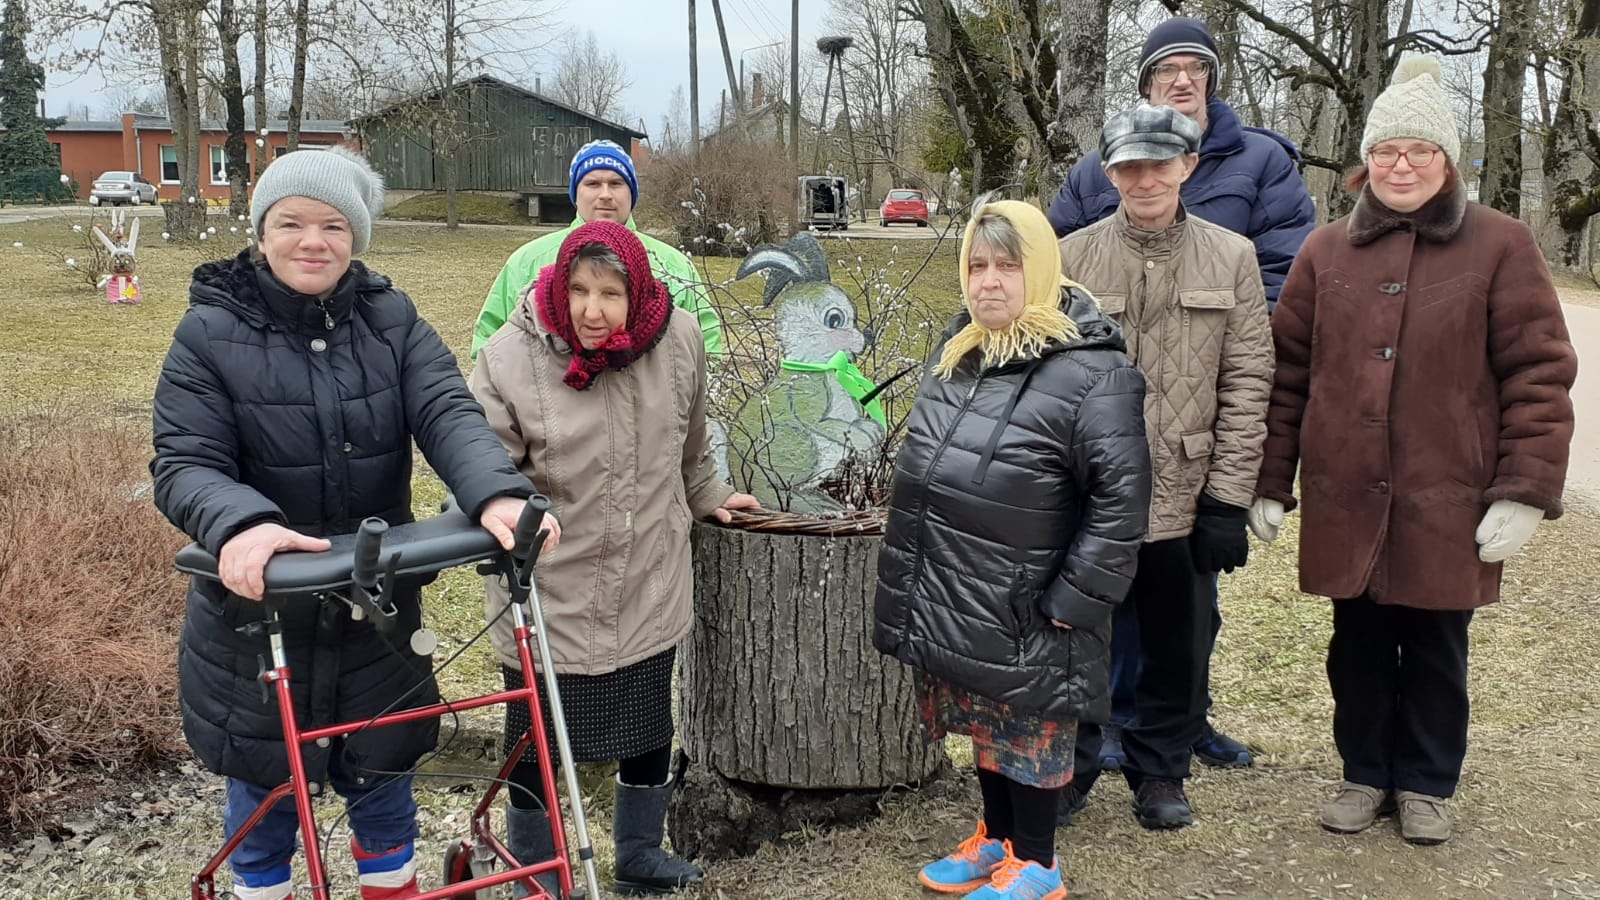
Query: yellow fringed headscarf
x,y
1041,320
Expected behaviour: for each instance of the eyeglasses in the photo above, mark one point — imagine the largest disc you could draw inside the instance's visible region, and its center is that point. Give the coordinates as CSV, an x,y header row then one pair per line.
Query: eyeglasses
x,y
1167,73
1416,157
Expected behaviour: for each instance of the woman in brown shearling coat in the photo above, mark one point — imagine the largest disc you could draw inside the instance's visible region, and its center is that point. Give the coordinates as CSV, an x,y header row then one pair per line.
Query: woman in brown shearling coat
x,y
1422,386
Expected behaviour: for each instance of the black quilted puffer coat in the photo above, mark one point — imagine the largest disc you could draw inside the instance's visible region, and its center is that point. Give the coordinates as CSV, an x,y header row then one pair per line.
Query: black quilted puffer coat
x,y
275,407
1021,495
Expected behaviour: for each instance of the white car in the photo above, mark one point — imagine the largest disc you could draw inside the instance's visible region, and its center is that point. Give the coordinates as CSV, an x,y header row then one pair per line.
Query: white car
x,y
116,188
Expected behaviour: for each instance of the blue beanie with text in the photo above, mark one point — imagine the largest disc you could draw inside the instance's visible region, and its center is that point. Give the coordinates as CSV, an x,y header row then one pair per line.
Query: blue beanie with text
x,y
602,155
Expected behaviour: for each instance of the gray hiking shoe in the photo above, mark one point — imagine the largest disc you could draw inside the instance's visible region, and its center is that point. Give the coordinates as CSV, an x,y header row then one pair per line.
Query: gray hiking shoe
x,y
1355,808
1423,819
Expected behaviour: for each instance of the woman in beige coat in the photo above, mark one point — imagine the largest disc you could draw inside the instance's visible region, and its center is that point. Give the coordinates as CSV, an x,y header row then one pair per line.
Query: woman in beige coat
x,y
597,388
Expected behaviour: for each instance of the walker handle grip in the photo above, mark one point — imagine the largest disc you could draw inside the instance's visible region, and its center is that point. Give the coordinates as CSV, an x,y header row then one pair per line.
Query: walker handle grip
x,y
529,537
369,544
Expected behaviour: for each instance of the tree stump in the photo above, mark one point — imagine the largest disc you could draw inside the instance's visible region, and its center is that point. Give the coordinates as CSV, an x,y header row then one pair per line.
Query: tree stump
x,y
786,712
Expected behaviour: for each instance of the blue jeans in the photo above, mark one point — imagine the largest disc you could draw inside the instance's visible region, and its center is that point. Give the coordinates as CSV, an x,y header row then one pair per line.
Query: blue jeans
x,y
1125,657
383,816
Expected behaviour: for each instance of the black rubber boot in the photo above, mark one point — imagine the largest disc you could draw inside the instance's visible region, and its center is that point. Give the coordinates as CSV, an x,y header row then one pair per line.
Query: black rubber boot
x,y
639,821
529,839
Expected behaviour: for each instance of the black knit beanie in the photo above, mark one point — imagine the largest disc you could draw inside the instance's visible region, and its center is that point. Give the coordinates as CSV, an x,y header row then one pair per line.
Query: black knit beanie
x,y
1178,35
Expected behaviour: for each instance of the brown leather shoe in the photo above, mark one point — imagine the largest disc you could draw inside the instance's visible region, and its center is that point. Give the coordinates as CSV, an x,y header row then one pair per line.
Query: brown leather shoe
x,y
1423,819
1355,808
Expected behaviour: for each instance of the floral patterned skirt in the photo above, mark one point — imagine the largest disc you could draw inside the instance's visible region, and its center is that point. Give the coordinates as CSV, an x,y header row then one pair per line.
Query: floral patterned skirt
x,y
1026,747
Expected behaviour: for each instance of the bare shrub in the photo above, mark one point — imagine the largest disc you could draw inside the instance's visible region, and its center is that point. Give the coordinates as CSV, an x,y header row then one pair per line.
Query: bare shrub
x,y
738,193
90,608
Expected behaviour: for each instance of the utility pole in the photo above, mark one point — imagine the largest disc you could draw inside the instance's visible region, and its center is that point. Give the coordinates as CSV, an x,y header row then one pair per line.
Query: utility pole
x,y
794,85
694,87
727,61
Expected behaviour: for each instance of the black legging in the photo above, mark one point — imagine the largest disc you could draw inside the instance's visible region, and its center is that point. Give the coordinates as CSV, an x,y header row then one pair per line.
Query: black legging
x,y
648,769
1022,814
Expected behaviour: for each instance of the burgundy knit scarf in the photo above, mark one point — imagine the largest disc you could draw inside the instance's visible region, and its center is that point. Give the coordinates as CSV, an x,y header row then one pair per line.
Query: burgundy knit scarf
x,y
649,307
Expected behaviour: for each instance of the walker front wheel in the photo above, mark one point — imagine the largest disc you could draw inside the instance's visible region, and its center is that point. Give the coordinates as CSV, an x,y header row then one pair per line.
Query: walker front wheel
x,y
458,867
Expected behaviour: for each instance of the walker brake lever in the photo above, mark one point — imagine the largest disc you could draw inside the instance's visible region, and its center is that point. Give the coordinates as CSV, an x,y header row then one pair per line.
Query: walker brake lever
x,y
367,592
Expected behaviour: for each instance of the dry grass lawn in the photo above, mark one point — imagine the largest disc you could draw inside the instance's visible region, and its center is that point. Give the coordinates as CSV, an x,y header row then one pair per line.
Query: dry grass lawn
x,y
1527,816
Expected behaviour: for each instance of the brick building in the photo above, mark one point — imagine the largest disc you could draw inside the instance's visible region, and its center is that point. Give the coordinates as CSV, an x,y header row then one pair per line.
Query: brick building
x,y
143,143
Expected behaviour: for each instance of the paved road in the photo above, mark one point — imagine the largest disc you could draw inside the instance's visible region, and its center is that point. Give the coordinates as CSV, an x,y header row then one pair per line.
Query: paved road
x,y
1583,479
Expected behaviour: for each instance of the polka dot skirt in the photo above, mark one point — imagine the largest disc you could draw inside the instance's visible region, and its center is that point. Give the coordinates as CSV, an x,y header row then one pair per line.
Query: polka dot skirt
x,y
612,716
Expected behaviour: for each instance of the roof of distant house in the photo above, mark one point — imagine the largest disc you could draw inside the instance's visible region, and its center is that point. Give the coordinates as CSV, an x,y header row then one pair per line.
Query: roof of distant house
x,y
495,82
145,120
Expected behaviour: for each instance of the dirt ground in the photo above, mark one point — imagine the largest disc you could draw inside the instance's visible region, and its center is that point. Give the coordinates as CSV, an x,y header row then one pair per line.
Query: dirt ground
x,y
1527,814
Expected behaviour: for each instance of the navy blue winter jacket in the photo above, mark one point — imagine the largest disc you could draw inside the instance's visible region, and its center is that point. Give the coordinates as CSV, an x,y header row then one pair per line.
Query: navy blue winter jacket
x,y
1247,181
273,407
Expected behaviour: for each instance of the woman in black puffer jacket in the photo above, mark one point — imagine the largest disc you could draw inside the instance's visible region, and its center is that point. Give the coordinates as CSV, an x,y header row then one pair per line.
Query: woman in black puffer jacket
x,y
1020,500
285,412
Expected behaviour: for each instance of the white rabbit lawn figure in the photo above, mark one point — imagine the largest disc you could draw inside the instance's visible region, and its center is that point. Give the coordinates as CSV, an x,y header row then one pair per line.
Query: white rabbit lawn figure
x,y
121,286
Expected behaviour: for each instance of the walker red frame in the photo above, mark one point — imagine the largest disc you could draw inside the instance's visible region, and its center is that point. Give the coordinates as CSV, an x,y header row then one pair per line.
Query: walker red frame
x,y
203,885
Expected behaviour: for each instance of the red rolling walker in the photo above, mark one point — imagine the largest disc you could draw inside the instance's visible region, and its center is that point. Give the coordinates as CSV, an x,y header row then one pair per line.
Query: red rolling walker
x,y
350,571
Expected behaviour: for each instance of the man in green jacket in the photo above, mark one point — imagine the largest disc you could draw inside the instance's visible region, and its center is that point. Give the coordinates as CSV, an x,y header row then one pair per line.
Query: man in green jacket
x,y
603,185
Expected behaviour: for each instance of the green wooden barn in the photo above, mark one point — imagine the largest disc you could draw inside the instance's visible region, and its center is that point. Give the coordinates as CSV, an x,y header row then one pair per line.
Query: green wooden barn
x,y
512,139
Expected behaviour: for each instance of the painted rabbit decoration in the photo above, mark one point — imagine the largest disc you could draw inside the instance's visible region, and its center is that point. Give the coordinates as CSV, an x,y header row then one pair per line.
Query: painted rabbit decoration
x,y
121,286
795,430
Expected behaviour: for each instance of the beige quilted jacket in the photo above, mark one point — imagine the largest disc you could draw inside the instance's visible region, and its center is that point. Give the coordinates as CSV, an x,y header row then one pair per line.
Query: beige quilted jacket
x,y
1193,311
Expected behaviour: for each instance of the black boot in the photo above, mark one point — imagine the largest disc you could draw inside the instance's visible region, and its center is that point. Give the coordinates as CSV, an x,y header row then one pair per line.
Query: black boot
x,y
529,839
637,827
1159,803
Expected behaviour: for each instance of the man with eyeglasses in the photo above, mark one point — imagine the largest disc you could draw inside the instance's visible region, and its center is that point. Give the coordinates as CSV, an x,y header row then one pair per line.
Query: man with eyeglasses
x,y
1248,181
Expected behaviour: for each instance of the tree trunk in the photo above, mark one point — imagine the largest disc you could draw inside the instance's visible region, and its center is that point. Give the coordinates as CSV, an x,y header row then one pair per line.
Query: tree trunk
x,y
297,85
452,121
780,688
973,87
1080,102
259,90
235,163
177,39
1504,79
1572,190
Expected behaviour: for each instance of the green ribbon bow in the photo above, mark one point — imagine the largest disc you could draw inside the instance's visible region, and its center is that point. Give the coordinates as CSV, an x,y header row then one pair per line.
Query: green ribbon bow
x,y
850,378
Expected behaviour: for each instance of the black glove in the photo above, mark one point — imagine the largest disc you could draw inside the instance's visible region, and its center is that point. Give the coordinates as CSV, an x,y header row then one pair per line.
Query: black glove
x,y
1219,542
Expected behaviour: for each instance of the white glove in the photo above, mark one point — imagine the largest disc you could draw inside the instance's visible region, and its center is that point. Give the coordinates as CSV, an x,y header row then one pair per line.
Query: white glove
x,y
1505,528
1266,517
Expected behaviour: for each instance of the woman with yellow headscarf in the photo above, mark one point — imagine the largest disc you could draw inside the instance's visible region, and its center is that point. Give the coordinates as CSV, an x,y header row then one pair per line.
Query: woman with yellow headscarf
x,y
1020,499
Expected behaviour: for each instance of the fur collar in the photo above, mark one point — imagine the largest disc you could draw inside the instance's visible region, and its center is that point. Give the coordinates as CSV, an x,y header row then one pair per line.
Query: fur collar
x,y
1437,220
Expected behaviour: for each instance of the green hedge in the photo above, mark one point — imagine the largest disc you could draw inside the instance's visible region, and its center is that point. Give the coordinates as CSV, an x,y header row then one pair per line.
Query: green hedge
x,y
36,186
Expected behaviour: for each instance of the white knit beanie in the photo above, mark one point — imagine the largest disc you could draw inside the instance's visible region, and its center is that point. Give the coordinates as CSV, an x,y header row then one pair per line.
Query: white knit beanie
x,y
337,176
1414,106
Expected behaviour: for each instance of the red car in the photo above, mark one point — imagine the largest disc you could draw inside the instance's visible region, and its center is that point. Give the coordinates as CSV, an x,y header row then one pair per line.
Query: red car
x,y
904,205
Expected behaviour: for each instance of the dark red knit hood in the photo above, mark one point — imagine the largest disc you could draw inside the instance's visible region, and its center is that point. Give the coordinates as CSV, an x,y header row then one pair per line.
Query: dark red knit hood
x,y
649,307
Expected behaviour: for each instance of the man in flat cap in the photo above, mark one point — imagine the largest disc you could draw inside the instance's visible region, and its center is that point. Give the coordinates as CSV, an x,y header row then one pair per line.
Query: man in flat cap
x,y
1188,296
1246,180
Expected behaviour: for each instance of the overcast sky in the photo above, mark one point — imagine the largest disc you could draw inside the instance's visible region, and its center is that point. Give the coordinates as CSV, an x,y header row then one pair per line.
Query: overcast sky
x,y
651,35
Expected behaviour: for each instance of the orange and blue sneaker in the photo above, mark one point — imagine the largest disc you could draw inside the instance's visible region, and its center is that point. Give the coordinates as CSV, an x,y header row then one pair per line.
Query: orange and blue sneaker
x,y
970,867
1017,879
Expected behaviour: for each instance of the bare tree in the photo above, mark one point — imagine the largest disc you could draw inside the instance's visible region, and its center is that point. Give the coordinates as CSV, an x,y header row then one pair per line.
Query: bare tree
x,y
297,87
879,69
400,46
587,78
235,163
1023,80
1572,147
1504,84
117,99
